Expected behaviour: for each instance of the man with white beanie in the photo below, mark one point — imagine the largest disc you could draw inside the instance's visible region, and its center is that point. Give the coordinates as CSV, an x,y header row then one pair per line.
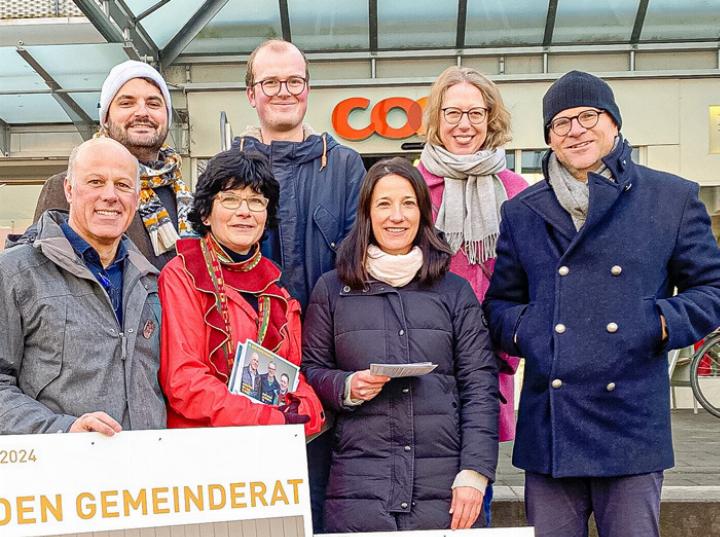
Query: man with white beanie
x,y
136,110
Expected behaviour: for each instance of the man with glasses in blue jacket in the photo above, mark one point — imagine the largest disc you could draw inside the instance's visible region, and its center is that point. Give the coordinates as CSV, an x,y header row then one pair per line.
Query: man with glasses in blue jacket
x,y
319,185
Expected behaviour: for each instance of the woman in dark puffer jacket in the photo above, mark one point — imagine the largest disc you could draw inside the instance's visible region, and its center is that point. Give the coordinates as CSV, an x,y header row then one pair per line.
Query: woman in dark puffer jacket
x,y
408,453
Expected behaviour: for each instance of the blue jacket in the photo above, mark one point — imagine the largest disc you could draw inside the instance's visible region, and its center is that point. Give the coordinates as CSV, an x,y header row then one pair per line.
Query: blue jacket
x,y
583,308
400,452
319,185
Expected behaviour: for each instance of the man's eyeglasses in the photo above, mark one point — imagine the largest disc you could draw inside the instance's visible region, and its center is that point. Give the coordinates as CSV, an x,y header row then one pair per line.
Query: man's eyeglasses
x,y
295,85
587,119
256,204
454,115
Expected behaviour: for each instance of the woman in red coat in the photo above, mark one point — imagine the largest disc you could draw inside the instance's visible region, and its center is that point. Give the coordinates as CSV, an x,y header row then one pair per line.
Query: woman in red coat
x,y
220,291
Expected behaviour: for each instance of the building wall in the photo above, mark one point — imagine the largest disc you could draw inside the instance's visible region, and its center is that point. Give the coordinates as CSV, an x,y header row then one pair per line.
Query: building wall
x,y
668,116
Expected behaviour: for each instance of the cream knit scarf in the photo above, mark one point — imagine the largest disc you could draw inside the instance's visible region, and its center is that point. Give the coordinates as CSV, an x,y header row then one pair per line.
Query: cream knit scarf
x,y
395,270
470,210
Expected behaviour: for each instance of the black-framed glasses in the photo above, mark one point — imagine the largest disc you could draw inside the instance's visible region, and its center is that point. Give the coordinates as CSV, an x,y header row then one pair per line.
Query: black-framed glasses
x,y
454,115
295,85
587,119
256,204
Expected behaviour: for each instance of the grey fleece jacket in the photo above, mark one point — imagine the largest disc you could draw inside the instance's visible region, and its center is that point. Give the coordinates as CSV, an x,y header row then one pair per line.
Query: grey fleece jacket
x,y
62,352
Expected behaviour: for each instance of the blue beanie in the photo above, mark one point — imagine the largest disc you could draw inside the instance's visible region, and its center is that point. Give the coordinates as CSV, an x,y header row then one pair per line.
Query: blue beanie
x,y
578,89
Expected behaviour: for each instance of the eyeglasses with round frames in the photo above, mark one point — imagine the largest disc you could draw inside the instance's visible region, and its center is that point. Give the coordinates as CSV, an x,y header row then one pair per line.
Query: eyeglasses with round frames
x,y
256,204
295,85
454,115
587,119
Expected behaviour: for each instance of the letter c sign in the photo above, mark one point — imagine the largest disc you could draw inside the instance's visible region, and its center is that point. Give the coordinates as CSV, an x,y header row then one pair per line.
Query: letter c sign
x,y
378,118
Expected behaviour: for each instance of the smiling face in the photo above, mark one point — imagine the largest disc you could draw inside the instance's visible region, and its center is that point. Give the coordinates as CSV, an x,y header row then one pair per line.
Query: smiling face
x,y
254,361
581,150
394,214
284,382
237,229
463,138
282,113
137,117
102,192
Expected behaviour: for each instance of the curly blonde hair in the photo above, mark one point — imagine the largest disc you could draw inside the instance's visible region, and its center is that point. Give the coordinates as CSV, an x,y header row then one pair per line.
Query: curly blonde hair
x,y
498,123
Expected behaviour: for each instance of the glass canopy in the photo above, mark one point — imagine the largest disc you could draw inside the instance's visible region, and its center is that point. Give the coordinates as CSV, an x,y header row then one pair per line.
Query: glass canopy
x,y
237,26
39,84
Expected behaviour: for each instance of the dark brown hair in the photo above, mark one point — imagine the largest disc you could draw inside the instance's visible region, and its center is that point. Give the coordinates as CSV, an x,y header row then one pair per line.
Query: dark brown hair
x,y
352,253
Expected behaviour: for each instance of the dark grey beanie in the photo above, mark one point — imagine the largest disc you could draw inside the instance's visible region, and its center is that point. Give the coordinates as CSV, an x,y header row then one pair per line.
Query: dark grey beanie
x,y
578,89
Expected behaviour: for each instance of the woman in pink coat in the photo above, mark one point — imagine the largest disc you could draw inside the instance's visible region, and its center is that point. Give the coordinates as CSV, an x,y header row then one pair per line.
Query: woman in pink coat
x,y
463,163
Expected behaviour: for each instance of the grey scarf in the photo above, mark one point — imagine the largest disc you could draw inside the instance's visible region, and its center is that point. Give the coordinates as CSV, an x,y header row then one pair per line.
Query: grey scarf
x,y
470,210
572,194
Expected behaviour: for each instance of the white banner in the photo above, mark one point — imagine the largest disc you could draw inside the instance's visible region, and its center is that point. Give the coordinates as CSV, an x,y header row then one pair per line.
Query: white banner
x,y
69,483
488,532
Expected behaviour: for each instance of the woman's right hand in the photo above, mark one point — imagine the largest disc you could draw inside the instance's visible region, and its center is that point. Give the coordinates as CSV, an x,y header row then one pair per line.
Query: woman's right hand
x,y
365,386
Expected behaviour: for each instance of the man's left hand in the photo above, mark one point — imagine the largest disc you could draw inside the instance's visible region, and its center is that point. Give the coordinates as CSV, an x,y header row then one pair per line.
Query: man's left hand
x,y
465,507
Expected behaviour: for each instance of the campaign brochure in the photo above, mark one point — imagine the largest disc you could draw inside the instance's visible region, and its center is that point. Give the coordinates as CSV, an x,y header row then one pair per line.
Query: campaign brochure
x,y
262,375
402,370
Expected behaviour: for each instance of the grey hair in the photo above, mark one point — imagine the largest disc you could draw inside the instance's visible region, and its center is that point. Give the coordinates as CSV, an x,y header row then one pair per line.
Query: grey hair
x,y
72,162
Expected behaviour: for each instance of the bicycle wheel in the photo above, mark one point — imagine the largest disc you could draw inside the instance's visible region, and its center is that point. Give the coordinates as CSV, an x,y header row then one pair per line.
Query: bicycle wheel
x,y
705,374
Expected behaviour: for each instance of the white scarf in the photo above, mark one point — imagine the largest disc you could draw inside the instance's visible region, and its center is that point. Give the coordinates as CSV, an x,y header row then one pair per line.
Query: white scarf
x,y
395,270
470,210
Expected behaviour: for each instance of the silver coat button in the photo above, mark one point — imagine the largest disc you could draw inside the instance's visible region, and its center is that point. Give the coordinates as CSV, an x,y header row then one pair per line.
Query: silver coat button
x,y
610,387
563,271
557,383
560,328
404,505
407,448
612,327
406,390
346,289
616,270
401,332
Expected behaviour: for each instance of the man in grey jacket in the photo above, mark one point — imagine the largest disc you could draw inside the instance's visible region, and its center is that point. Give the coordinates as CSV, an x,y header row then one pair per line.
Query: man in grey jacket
x,y
81,318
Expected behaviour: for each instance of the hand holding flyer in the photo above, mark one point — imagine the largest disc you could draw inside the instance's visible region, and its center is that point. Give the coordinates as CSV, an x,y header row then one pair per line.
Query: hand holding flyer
x,y
402,370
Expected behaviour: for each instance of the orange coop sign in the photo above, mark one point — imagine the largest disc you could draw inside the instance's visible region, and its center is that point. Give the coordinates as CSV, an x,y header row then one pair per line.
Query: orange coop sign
x,y
413,111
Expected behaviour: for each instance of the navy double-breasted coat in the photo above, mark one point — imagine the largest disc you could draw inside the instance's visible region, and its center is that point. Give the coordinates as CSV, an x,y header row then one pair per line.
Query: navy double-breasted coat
x,y
583,307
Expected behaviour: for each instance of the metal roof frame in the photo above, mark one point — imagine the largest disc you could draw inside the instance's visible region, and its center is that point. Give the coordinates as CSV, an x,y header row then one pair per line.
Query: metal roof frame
x,y
639,21
116,23
192,28
83,123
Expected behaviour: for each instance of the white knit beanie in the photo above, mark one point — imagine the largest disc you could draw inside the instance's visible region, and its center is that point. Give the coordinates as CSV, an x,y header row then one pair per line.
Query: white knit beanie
x,y
123,72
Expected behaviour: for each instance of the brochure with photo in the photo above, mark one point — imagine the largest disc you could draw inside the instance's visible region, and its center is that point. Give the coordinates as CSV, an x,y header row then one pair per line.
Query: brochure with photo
x,y
261,375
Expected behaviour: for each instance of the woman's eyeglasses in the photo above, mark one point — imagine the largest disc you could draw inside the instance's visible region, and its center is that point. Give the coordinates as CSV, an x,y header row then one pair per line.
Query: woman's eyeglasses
x,y
454,115
256,204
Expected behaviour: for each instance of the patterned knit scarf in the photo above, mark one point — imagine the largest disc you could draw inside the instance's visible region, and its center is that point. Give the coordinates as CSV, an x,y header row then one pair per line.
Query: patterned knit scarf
x,y
469,214
213,272
164,172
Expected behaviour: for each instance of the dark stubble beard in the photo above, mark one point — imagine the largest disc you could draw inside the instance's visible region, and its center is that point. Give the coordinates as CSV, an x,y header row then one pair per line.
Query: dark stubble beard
x,y
145,148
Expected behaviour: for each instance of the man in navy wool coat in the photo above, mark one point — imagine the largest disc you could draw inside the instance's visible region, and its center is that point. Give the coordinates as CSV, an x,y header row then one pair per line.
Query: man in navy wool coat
x,y
588,261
